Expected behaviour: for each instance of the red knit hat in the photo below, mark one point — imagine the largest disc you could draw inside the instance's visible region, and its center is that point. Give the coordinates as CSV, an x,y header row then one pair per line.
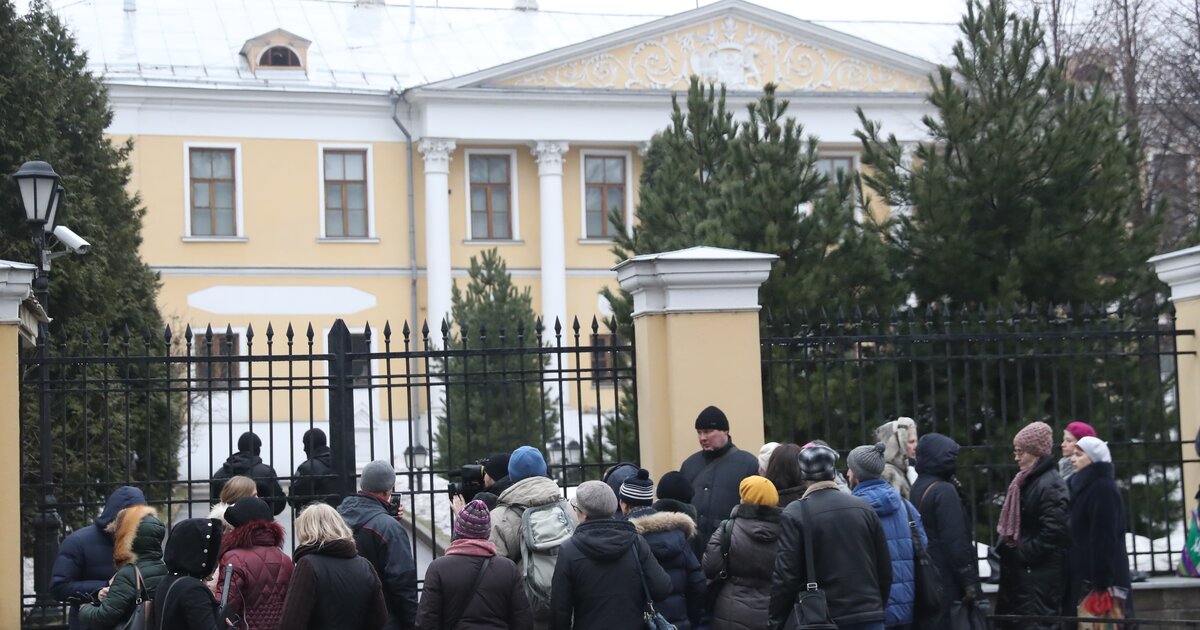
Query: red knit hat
x,y
1037,439
1081,430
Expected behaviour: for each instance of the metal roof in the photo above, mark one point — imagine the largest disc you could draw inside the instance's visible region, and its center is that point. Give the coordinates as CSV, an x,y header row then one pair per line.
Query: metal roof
x,y
362,47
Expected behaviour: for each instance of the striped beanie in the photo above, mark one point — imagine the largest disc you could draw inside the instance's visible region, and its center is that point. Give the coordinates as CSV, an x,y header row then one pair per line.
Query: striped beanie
x,y
473,521
638,489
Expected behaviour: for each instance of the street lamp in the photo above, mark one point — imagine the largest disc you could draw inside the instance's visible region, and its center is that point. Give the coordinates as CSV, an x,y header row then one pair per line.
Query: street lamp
x,y
416,457
41,196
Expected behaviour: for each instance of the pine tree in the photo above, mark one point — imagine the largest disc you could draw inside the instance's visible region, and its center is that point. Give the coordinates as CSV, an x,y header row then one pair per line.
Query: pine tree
x,y
52,108
1027,187
495,399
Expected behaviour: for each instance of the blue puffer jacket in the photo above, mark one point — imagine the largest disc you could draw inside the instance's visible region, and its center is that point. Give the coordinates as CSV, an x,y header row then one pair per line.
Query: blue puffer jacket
x,y
85,558
667,533
886,502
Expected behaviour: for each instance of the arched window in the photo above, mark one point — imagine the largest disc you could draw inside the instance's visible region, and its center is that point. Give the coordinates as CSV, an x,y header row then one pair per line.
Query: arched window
x,y
279,57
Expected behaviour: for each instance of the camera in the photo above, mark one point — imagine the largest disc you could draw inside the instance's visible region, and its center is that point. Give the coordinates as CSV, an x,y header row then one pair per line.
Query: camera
x,y
467,480
72,241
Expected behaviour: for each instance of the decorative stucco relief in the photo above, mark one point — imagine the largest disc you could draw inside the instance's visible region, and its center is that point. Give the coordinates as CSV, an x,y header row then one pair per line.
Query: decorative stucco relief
x,y
738,53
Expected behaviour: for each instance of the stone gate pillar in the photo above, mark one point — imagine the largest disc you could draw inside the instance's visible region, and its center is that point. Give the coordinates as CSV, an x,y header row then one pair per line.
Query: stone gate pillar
x,y
1181,271
696,336
20,315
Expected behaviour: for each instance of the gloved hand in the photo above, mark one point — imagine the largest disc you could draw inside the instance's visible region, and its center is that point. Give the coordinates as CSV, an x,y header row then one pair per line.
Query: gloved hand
x,y
970,594
80,598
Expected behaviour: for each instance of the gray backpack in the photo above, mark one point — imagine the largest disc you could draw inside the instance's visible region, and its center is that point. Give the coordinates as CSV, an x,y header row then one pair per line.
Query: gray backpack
x,y
544,529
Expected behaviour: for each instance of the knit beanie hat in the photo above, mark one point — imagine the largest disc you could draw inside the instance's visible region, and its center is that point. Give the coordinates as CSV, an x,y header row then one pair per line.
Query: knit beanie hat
x,y
526,462
764,454
638,490
473,521
249,443
867,461
496,466
595,499
817,463
758,491
712,419
674,485
1036,438
1081,430
378,476
248,509
1096,449
313,438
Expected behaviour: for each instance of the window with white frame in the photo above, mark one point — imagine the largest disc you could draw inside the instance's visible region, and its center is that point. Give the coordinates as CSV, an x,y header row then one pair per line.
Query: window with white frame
x,y
830,166
212,191
604,189
491,183
345,187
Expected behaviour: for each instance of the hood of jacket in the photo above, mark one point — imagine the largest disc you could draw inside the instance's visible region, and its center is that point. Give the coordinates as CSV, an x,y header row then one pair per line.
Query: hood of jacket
x,y
137,535
321,453
531,492
650,521
894,436
1089,474
604,539
253,534
120,499
337,548
760,522
937,455
881,496
357,509
242,463
193,547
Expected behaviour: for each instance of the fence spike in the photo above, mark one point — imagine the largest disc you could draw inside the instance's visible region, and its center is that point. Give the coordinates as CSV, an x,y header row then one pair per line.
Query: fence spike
x,y
367,330
858,314
208,333
557,327
520,329
309,333
464,328
249,333
425,329
125,333
446,329
387,331
928,313
595,325
86,334
147,336
575,325
105,336
405,331
501,333
187,333
228,332
166,335
482,331
291,334
270,333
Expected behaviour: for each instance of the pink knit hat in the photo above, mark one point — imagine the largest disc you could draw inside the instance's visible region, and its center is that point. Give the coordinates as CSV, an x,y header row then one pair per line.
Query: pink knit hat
x,y
1037,439
1081,430
473,521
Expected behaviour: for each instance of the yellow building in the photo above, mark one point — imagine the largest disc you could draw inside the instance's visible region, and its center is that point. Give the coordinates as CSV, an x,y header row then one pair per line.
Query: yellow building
x,y
303,160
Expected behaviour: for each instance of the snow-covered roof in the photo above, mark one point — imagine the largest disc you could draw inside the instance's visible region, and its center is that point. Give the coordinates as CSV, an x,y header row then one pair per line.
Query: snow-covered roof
x,y
374,47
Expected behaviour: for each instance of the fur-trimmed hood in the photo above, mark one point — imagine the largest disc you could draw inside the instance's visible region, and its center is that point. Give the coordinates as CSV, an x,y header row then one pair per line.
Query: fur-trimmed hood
x,y
137,535
662,522
894,436
253,534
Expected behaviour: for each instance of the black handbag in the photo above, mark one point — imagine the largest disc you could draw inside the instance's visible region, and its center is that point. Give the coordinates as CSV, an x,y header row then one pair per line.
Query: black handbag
x,y
811,611
653,619
143,608
928,604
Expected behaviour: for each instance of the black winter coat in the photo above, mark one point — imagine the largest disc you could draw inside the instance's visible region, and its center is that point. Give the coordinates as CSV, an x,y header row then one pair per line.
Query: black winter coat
x,y
333,588
1098,554
743,598
315,481
381,540
947,524
596,584
85,558
853,564
499,603
668,533
1032,570
184,603
252,466
715,477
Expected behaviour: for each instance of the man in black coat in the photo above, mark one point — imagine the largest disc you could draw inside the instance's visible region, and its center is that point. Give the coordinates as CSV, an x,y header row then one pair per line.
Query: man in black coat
x,y
597,581
248,463
715,472
85,558
851,558
315,479
935,494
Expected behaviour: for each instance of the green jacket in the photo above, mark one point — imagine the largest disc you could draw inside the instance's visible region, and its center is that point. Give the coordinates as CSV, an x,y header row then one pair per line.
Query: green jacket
x,y
122,595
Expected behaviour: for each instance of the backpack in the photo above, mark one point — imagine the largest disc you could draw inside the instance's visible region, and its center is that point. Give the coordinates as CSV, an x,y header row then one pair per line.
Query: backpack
x,y
544,529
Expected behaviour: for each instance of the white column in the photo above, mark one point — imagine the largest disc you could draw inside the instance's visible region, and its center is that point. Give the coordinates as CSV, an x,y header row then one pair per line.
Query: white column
x,y
553,235
438,153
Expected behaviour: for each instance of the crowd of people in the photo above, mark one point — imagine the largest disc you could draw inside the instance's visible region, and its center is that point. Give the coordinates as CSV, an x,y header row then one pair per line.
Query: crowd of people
x,y
730,541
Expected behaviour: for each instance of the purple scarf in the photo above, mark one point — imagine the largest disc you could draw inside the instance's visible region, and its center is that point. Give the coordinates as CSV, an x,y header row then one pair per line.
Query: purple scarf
x,y
1010,515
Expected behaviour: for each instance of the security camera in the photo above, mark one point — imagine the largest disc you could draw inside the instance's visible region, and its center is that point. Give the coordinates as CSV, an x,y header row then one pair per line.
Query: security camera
x,y
71,240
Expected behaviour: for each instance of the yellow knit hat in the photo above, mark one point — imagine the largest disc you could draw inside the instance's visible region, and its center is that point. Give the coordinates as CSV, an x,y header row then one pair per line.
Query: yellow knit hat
x,y
758,491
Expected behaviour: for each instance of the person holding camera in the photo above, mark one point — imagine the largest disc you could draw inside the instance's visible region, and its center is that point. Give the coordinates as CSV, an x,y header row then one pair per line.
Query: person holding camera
x,y
381,539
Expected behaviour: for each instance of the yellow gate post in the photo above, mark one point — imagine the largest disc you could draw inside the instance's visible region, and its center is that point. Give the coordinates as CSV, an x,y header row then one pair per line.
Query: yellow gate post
x,y
696,337
20,315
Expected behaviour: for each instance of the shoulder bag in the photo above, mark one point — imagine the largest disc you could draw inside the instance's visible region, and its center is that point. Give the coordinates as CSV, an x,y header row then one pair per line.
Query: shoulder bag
x,y
471,594
928,602
715,585
143,609
653,619
811,611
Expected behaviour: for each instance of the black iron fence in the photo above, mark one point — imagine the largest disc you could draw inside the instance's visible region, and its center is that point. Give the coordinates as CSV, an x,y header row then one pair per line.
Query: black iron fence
x,y
979,375
161,410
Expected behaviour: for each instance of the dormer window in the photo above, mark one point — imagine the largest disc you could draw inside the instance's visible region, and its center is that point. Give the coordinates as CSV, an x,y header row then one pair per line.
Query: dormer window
x,y
279,57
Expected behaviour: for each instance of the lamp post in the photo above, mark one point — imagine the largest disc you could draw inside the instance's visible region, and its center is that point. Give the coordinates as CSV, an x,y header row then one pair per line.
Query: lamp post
x,y
416,457
41,196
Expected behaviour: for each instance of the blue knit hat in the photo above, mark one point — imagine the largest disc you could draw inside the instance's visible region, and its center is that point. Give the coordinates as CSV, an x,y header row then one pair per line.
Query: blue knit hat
x,y
526,462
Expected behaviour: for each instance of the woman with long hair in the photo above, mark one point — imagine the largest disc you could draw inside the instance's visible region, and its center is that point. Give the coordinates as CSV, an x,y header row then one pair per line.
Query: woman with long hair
x,y
238,487
783,470
332,586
